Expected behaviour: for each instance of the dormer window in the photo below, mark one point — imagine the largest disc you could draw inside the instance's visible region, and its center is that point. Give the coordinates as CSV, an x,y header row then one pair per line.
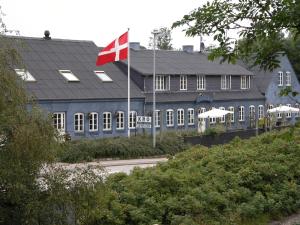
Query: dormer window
x,y
25,75
245,82
183,82
68,75
288,79
103,76
225,82
280,78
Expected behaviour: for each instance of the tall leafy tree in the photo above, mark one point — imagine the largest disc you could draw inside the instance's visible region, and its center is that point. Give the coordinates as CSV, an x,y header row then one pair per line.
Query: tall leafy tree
x,y
163,41
255,21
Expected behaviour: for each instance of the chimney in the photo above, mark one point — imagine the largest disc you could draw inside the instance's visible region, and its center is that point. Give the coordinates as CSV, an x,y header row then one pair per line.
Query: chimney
x,y
188,48
47,35
135,45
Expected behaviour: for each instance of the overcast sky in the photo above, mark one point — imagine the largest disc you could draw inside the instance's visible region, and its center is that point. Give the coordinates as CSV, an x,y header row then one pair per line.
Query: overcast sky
x,y
99,20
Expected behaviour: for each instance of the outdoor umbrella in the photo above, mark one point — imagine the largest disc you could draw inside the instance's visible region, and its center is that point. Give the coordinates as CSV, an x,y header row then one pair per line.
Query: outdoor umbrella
x,y
214,113
283,109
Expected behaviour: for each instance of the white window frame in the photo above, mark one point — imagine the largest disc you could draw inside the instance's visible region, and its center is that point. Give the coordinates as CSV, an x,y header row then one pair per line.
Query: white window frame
x,y
183,82
170,117
231,108
68,75
157,118
222,119
201,82
162,82
251,112
180,117
288,79
191,116
260,112
241,113
107,121
280,77
212,120
25,75
93,121
279,115
225,82
79,122
120,120
60,118
288,114
245,82
103,76
132,119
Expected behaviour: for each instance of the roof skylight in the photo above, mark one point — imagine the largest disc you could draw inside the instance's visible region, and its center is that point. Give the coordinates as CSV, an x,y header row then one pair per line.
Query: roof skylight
x,y
68,75
103,76
25,75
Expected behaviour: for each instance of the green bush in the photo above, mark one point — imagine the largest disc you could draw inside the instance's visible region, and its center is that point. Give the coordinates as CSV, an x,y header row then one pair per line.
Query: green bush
x,y
122,147
245,182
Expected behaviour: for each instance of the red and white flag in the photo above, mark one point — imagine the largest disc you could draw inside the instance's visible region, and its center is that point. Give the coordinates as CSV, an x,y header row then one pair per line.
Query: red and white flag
x,y
115,51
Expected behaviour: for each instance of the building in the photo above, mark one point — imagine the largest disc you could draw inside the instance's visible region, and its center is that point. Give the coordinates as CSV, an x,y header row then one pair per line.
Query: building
x,y
89,101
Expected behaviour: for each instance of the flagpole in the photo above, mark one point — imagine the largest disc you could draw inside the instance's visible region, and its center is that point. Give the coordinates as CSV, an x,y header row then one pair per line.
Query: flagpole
x,y
128,73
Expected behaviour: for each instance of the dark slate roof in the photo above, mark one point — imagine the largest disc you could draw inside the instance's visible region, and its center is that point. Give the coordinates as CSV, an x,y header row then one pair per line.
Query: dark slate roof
x,y
43,59
180,62
210,96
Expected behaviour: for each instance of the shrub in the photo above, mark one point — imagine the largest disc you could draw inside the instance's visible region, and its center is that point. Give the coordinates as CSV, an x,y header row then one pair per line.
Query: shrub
x,y
121,147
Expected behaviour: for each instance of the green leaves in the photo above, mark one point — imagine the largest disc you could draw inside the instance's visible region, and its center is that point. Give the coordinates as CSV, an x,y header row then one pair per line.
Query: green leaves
x,y
258,23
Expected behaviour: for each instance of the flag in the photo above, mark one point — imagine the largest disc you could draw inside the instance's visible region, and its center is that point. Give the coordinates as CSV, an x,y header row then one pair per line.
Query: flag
x,y
115,51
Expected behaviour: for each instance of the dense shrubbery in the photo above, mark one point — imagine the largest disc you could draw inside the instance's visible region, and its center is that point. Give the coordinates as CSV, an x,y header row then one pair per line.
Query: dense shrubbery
x,y
244,182
122,147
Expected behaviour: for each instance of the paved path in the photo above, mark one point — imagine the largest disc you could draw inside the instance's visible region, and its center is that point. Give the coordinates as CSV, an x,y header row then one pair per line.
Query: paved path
x,y
115,166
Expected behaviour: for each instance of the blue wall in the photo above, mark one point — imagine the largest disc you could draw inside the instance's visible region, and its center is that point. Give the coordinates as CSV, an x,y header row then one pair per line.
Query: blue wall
x,y
87,106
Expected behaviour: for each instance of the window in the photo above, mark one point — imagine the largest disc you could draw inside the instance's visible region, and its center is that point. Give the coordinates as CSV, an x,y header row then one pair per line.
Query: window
x,y
180,117
241,113
120,120
213,119
252,112
68,75
288,114
225,82
260,112
297,113
183,82
59,121
103,76
280,76
279,115
161,82
191,116
93,121
222,119
106,121
201,82
231,115
170,117
78,122
157,118
245,82
25,75
288,79
132,120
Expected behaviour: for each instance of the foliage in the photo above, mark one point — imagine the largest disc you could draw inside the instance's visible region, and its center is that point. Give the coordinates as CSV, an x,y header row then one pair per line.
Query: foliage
x,y
254,21
122,147
292,49
163,40
244,182
28,144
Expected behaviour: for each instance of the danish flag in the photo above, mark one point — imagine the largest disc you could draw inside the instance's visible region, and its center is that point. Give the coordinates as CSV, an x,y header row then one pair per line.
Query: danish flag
x,y
115,51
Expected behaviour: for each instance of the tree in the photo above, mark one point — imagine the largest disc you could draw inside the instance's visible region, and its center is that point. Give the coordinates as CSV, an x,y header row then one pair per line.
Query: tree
x,y
292,49
163,40
255,21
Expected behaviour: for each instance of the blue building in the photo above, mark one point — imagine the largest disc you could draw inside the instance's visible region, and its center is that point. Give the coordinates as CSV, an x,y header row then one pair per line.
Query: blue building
x,y
89,101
